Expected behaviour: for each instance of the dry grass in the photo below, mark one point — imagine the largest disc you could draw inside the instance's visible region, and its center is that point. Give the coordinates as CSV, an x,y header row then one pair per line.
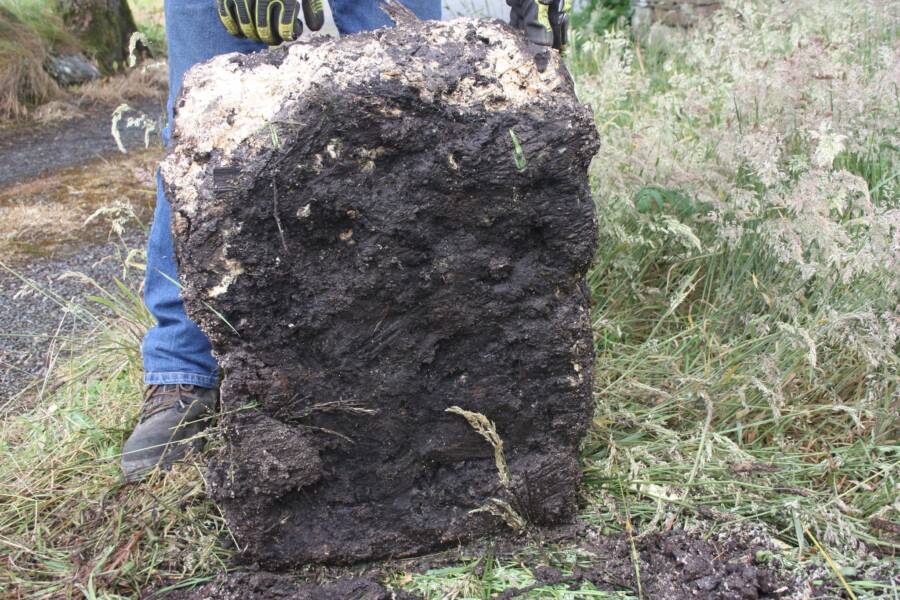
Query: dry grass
x,y
46,215
23,81
147,80
56,111
96,537
486,429
30,30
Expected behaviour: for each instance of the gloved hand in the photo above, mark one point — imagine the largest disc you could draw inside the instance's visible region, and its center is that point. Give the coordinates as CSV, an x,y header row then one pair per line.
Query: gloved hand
x,y
545,22
270,21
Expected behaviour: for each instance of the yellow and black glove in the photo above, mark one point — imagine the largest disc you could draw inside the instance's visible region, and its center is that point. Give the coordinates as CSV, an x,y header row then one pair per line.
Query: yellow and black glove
x,y
270,21
545,22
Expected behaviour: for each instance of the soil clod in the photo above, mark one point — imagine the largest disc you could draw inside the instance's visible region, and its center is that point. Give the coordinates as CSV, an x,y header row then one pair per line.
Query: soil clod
x,y
367,248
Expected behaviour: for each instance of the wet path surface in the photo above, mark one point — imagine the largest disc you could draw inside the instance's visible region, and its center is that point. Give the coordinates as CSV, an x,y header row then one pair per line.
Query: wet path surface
x,y
27,151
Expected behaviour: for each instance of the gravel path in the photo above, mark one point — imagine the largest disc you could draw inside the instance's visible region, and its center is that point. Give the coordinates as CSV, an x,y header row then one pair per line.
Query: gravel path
x,y
27,151
31,314
31,322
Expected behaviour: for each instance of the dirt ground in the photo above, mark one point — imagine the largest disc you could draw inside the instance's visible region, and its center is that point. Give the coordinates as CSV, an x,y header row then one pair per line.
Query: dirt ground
x,y
672,566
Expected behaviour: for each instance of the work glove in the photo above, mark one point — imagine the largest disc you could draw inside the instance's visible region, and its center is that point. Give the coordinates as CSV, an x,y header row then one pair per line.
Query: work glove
x,y
545,22
270,21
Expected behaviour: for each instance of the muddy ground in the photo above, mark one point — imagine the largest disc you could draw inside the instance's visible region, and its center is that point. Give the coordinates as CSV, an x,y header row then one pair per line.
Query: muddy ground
x,y
672,566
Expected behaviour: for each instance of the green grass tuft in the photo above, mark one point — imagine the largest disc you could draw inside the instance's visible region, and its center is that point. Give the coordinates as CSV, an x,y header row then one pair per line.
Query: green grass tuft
x,y
68,525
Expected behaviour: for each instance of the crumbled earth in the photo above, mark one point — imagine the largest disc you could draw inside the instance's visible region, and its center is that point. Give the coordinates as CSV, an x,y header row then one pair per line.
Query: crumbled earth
x,y
270,586
400,225
681,565
673,566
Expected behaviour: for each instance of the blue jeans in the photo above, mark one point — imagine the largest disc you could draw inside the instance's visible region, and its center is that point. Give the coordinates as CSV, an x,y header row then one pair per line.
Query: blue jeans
x,y
175,350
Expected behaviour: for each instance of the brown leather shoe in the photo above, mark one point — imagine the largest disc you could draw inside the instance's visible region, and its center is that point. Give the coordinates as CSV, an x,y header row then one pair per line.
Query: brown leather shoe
x,y
170,420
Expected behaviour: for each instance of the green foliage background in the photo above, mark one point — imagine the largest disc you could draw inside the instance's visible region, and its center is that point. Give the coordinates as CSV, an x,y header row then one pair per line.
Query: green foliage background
x,y
599,15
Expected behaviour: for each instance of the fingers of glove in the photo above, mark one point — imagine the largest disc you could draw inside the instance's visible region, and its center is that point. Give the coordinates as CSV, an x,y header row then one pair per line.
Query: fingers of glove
x,y
289,25
543,15
269,14
558,6
245,16
314,14
228,16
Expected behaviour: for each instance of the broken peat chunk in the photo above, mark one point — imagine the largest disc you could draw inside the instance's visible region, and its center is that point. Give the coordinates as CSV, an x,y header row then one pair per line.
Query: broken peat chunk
x,y
386,238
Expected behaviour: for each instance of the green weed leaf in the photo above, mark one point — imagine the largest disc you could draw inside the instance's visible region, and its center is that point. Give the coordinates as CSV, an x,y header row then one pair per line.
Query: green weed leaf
x,y
518,153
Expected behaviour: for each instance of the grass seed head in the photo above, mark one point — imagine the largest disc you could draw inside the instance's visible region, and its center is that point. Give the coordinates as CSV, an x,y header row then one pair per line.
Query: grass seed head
x,y
486,429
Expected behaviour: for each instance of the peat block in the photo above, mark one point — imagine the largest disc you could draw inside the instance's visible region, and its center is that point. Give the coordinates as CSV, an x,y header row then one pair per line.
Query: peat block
x,y
372,230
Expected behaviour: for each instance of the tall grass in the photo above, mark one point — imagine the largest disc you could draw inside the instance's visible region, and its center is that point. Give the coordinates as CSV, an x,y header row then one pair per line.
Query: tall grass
x,y
746,288
28,30
68,525
746,325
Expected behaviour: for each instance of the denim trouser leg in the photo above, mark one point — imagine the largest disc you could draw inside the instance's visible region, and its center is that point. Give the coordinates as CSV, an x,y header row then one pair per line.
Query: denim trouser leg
x,y
175,350
352,16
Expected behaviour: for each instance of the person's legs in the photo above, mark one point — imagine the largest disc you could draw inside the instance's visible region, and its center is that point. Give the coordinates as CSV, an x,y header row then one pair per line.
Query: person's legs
x,y
179,368
352,16
178,364
175,351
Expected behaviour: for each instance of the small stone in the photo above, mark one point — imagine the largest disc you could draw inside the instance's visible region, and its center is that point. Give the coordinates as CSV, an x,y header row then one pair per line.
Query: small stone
x,y
71,69
708,583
